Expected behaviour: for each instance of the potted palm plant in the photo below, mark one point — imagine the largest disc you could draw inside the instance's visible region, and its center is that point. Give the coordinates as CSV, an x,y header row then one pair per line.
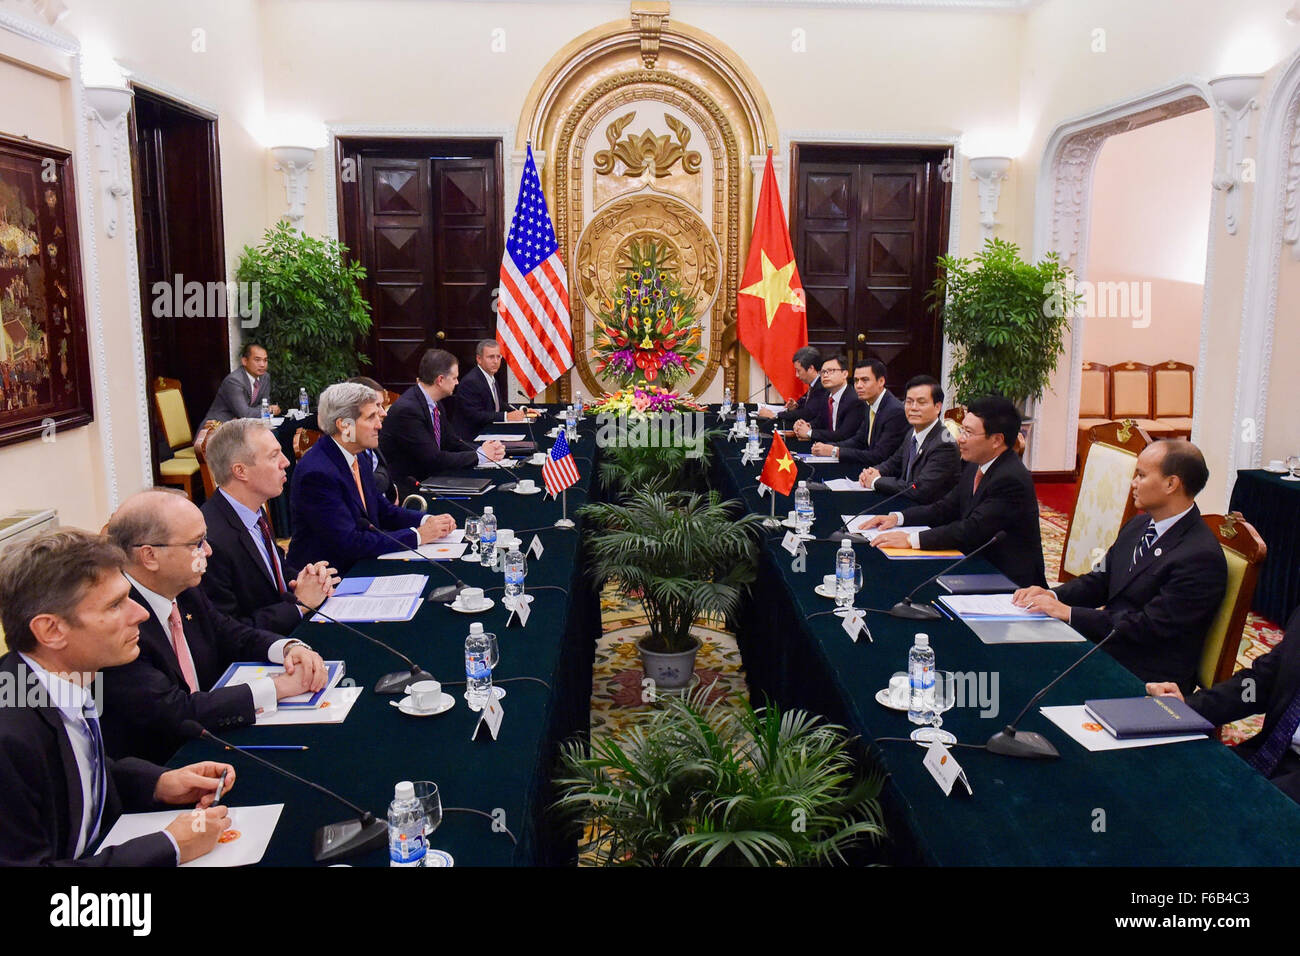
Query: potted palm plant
x,y
700,784
683,555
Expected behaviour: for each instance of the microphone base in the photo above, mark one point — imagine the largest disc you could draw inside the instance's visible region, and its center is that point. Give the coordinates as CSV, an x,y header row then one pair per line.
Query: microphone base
x,y
445,594
1022,743
817,486
850,536
507,486
398,681
564,523
771,523
915,612
337,841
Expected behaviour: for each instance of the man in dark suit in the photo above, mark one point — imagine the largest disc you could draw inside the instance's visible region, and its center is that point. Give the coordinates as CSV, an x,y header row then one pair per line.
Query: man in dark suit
x,y
478,403
66,615
807,368
837,416
186,644
331,496
241,392
926,463
419,439
382,475
1161,582
884,425
248,576
1271,685
994,493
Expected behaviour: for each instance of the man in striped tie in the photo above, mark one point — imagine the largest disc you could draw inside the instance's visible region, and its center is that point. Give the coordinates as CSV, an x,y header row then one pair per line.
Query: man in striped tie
x,y
1161,582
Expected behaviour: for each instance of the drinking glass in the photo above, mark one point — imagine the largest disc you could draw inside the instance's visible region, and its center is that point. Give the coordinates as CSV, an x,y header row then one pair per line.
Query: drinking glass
x,y
426,791
473,525
945,695
1293,466
494,658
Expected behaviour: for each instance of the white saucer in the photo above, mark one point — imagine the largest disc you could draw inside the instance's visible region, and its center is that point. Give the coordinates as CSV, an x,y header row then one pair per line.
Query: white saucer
x,y
438,858
445,703
884,700
537,490
537,460
821,589
553,433
488,604
1277,471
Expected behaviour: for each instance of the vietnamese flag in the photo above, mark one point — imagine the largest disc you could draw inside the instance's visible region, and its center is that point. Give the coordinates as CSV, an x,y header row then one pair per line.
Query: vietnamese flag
x,y
773,320
779,469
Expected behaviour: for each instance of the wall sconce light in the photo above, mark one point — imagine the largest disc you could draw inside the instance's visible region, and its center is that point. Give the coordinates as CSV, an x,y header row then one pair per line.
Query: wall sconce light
x,y
989,172
106,109
294,162
1234,98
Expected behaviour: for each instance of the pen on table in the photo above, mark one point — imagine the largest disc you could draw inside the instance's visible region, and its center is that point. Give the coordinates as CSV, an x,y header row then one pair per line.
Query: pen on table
x,y
221,785
270,747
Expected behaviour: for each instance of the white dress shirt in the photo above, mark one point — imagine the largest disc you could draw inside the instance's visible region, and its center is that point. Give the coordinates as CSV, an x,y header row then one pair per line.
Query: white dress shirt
x,y
835,406
914,537
1165,524
349,458
263,688
492,387
72,701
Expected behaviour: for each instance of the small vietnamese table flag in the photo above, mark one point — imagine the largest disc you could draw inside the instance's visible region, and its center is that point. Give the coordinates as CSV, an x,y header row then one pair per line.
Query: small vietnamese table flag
x,y
772,317
779,469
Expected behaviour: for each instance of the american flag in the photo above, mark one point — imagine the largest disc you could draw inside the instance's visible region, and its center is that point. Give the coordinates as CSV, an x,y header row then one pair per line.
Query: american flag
x,y
559,470
533,308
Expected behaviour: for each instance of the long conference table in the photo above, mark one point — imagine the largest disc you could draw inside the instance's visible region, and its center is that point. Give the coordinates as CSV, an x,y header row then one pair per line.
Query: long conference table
x,y
1193,803
376,746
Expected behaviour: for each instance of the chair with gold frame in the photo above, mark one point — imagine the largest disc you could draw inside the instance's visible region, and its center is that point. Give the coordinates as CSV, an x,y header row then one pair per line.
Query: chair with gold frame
x,y
180,470
1105,501
1244,550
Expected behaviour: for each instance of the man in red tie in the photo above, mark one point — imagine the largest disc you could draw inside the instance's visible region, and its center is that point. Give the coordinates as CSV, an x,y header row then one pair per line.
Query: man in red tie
x,y
248,576
186,644
839,416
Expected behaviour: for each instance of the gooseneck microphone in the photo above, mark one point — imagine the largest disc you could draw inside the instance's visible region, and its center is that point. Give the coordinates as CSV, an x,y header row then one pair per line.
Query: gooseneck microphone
x,y
334,841
394,683
443,595
924,612
1010,742
846,525
506,486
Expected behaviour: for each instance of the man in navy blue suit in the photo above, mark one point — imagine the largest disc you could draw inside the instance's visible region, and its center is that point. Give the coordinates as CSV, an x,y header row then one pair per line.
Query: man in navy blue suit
x,y
884,426
332,497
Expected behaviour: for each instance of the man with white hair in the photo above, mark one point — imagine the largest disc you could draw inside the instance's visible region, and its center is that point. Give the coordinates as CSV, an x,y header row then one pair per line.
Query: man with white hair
x,y
248,576
332,499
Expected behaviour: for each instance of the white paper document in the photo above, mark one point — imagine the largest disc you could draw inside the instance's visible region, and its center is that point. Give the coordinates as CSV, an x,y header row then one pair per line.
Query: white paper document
x,y
870,535
245,841
494,437
333,709
1080,725
817,459
843,484
989,607
395,584
774,409
444,550
355,608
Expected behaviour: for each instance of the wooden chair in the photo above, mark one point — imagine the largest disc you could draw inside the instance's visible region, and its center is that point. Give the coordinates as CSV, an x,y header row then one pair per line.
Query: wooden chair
x,y
181,470
953,418
1130,397
1173,387
303,439
1244,550
200,450
390,397
1094,404
1105,501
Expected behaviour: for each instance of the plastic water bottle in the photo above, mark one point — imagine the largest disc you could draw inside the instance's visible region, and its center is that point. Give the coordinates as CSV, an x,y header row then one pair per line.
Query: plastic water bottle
x,y
406,822
846,565
920,673
580,406
726,402
266,410
740,417
803,509
752,446
487,538
303,405
478,676
571,424
514,567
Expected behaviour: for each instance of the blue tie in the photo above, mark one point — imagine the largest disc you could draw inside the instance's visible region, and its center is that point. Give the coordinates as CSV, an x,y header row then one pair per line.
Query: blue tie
x,y
98,775
909,458
1143,546
1267,757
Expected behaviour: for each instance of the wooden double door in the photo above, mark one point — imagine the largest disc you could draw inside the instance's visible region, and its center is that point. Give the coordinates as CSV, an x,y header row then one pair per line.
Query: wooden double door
x,y
424,218
868,224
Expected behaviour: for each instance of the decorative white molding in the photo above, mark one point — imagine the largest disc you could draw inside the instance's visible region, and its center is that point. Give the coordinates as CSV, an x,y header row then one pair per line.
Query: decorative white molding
x,y
294,163
23,17
1292,202
990,172
1063,203
47,11
106,111
1234,100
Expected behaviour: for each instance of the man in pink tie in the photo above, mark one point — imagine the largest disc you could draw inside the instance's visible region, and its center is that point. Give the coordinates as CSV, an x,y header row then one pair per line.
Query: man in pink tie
x,y
186,644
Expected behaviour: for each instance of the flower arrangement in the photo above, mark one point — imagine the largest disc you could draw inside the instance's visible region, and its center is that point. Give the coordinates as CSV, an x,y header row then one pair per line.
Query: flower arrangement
x,y
648,331
646,400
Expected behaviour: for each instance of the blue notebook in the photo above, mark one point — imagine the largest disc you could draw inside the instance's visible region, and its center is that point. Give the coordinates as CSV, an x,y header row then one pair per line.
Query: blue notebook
x,y
242,672
1127,717
976,583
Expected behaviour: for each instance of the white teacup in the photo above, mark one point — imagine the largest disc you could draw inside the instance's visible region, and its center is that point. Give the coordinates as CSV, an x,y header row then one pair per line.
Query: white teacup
x,y
828,582
526,486
900,688
793,516
471,599
505,536
425,694
1276,464
539,458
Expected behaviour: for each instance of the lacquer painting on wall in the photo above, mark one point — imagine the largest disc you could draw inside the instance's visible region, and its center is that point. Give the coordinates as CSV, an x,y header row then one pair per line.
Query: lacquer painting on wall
x,y
44,366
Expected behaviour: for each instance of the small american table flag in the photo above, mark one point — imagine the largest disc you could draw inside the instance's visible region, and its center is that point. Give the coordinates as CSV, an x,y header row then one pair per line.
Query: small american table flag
x,y
533,308
559,470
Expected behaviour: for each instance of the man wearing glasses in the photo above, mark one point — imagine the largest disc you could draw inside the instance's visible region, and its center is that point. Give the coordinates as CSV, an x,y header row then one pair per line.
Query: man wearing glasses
x,y
884,424
926,458
186,644
837,417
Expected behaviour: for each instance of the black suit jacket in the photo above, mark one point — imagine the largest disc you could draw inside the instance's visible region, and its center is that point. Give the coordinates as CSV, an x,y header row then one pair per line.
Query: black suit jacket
x,y
965,518
408,442
1162,606
329,521
237,579
890,429
1276,681
146,701
235,399
935,469
848,417
814,396
40,791
475,409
